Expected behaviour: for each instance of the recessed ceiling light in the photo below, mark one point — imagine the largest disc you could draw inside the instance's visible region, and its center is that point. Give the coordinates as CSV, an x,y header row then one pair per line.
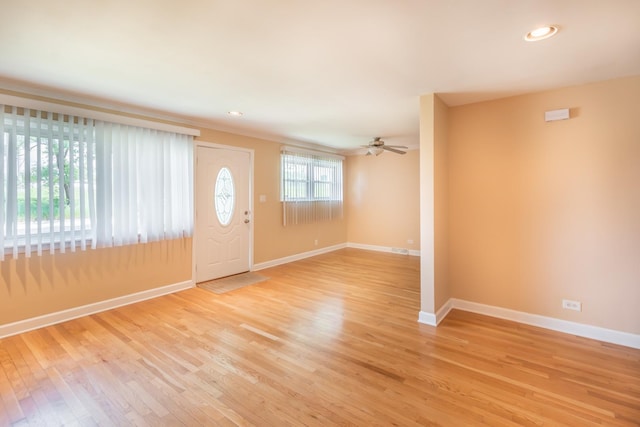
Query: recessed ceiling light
x,y
235,113
541,33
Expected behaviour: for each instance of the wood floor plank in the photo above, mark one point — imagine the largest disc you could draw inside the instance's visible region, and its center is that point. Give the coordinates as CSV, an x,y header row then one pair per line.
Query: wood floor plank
x,y
329,340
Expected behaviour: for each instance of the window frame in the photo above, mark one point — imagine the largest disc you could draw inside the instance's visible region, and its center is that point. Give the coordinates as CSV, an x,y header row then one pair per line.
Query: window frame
x,y
43,233
312,177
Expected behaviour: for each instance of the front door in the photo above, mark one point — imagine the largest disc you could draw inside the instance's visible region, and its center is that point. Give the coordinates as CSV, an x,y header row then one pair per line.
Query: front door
x,y
223,216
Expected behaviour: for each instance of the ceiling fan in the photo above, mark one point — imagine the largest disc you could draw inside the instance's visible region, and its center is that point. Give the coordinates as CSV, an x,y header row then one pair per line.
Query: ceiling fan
x,y
377,147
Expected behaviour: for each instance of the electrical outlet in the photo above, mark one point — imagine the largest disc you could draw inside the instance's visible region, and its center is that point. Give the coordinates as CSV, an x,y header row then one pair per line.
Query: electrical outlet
x,y
410,241
571,305
315,242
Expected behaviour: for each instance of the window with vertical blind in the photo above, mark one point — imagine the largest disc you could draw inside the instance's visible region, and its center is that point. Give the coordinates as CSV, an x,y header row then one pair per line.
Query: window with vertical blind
x,y
311,186
69,182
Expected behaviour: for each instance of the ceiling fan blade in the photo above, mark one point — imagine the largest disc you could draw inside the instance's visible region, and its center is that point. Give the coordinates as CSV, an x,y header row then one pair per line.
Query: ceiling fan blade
x,y
397,146
393,150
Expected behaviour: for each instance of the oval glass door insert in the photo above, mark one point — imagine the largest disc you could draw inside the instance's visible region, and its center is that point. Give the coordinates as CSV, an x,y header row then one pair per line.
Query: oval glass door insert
x,y
225,196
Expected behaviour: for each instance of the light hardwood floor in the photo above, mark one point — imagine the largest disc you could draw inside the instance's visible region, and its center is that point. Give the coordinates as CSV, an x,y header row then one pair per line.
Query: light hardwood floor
x,y
331,340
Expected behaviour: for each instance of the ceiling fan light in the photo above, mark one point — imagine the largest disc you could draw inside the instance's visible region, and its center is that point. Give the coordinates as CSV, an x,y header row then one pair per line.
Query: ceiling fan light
x,y
373,149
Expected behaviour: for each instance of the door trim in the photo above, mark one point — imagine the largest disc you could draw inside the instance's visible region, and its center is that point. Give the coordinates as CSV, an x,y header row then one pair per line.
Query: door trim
x,y
209,144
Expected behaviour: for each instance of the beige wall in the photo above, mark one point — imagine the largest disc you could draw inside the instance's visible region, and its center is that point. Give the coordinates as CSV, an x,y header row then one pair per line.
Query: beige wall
x,y
383,200
542,211
442,289
35,286
271,239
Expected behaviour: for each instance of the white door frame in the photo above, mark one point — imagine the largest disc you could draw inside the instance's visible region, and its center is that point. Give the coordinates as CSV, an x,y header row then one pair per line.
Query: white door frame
x,y
251,152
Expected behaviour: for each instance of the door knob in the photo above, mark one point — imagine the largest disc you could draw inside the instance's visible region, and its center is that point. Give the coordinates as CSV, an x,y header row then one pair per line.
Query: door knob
x,y
246,221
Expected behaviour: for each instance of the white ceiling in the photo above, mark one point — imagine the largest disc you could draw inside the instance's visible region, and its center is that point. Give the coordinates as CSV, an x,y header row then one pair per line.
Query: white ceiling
x,y
330,72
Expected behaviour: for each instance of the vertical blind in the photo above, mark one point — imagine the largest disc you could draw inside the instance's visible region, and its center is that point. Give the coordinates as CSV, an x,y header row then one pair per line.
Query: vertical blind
x,y
311,186
68,182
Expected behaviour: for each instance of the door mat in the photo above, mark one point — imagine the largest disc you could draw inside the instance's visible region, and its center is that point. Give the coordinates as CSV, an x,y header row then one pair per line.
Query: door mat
x,y
231,283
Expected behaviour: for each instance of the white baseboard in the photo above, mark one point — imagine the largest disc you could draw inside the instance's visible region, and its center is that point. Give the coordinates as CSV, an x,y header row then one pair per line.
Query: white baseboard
x,y
587,331
434,319
389,249
85,310
297,257
444,310
427,318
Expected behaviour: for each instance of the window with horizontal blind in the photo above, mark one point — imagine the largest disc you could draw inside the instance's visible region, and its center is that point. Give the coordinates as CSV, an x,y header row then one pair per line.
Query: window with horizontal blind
x,y
311,186
69,182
